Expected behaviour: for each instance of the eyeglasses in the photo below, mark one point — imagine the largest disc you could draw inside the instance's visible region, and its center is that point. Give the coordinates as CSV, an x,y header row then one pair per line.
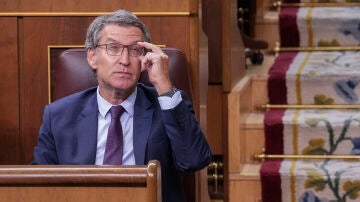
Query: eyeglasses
x,y
116,49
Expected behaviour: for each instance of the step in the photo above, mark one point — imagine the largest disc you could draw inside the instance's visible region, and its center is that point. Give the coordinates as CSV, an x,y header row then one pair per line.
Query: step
x,y
311,180
254,136
312,131
310,26
321,77
246,184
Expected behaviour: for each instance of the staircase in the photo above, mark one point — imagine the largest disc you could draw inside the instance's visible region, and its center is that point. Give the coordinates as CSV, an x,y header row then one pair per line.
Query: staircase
x,y
311,127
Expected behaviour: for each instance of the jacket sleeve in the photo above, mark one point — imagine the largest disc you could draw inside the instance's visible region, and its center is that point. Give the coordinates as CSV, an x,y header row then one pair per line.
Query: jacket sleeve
x,y
45,151
190,149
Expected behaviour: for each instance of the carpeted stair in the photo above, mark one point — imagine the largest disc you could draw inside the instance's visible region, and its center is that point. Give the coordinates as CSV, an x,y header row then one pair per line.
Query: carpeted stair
x,y
307,77
319,26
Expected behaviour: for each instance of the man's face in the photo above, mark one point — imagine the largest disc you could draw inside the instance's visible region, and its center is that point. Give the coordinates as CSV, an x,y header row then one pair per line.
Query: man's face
x,y
120,72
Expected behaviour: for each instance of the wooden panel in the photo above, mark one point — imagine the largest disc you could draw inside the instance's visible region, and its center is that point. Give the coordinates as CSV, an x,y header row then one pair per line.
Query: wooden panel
x,y
254,141
246,190
266,23
235,139
233,49
239,107
69,30
214,118
10,147
92,5
259,90
164,31
71,194
212,27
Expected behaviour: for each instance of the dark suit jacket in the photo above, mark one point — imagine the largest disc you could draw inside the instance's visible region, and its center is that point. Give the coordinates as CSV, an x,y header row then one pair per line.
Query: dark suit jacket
x,y
68,135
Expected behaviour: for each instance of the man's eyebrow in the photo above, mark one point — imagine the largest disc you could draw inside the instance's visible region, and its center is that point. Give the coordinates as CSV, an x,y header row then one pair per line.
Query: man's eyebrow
x,y
111,40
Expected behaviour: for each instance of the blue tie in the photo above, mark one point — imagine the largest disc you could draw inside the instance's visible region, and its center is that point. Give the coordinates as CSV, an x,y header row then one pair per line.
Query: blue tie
x,y
114,144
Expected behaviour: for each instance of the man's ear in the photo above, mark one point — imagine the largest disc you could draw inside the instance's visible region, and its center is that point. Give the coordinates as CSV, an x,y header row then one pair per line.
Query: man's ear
x,y
91,58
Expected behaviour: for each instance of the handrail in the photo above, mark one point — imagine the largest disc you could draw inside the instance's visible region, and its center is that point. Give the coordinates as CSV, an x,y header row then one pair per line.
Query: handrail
x,y
82,182
262,156
76,174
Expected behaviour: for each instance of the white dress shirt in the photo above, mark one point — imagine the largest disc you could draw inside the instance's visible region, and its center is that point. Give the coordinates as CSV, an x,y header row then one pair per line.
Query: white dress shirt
x,y
126,119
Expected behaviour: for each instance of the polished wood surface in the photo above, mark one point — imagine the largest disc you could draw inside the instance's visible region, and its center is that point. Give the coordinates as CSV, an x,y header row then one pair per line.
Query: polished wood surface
x,y
214,122
10,147
212,26
35,68
233,47
250,187
92,5
81,183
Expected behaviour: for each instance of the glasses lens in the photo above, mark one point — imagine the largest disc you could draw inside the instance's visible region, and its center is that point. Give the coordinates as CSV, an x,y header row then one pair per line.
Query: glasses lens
x,y
114,49
135,50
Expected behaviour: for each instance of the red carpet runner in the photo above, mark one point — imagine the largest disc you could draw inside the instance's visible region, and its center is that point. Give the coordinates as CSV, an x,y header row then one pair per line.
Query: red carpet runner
x,y
314,77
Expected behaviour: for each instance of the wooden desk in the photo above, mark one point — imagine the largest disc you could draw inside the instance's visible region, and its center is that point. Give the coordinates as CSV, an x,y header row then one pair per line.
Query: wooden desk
x,y
32,183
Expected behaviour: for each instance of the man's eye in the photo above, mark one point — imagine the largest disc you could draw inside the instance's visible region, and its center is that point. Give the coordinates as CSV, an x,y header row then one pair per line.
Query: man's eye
x,y
134,48
114,47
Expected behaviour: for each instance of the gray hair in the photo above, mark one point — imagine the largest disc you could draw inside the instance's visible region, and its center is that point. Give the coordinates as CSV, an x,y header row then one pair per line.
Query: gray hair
x,y
120,17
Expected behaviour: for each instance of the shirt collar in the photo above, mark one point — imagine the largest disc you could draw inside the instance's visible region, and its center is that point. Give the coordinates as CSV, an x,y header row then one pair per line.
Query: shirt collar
x,y
104,106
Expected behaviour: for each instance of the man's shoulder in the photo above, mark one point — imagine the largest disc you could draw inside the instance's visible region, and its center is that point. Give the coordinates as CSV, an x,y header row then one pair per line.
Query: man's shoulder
x,y
75,98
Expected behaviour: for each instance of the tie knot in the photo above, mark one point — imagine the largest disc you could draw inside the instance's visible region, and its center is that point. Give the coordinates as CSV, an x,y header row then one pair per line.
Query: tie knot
x,y
116,111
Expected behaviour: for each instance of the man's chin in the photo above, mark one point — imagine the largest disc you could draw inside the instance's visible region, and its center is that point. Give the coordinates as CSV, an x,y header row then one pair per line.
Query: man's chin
x,y
125,85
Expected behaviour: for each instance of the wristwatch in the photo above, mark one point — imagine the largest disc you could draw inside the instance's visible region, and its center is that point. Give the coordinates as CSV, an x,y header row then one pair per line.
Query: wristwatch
x,y
170,93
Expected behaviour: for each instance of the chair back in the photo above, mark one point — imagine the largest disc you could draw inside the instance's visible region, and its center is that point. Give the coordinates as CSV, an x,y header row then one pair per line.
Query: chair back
x,y
70,72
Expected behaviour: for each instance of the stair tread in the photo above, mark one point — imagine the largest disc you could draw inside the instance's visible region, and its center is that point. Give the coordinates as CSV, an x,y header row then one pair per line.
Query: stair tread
x,y
318,22
316,131
251,169
321,77
299,167
255,120
300,179
248,172
309,117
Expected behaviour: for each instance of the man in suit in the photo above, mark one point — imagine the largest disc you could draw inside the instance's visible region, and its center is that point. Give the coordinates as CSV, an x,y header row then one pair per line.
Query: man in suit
x,y
157,122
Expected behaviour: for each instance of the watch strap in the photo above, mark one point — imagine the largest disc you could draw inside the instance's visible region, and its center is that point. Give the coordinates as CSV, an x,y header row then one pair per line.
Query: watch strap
x,y
170,93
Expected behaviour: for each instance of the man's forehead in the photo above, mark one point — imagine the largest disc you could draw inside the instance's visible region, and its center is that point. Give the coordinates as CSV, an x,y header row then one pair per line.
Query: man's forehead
x,y
116,32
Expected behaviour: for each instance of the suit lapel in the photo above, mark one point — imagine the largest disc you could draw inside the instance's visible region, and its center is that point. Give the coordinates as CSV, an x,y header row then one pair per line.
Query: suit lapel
x,y
143,113
86,130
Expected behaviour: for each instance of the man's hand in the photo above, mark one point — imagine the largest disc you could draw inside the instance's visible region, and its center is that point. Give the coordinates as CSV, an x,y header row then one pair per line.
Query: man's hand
x,y
156,63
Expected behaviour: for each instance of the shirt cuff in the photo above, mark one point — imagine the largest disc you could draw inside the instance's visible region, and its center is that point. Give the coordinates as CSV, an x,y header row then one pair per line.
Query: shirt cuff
x,y
170,102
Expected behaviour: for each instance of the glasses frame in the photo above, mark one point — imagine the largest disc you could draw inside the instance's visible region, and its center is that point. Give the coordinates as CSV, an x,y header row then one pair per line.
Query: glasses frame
x,y
122,47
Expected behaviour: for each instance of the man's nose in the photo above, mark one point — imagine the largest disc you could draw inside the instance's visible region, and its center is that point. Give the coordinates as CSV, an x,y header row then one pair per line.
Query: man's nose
x,y
124,57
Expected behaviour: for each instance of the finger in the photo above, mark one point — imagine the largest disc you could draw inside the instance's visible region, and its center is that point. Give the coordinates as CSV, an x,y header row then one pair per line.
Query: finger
x,y
150,46
146,62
